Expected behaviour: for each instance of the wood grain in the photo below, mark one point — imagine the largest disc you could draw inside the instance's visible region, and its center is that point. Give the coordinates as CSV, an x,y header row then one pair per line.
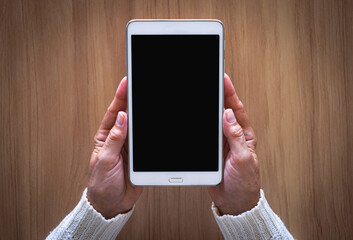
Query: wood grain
x,y
291,63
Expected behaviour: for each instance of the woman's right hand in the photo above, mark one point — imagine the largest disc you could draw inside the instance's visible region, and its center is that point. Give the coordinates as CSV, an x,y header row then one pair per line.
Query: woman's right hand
x,y
240,189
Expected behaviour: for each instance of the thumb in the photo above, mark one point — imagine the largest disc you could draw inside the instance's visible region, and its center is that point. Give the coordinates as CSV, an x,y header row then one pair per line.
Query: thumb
x,y
115,140
235,135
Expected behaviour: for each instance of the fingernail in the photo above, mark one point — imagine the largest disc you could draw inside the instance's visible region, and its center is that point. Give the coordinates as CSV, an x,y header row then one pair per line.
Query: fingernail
x,y
120,119
230,116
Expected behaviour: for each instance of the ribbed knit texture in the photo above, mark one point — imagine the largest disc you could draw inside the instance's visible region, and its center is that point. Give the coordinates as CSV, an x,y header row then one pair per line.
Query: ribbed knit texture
x,y
258,223
84,222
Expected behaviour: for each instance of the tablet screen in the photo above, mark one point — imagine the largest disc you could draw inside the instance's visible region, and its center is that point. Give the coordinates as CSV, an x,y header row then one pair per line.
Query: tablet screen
x,y
175,102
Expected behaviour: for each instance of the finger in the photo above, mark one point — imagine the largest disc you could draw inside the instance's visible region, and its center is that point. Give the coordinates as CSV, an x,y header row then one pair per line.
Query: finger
x,y
231,100
119,103
115,141
235,135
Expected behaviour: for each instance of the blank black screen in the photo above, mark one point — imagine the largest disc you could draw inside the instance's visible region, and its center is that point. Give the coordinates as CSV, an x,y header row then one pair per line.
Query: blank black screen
x,y
175,102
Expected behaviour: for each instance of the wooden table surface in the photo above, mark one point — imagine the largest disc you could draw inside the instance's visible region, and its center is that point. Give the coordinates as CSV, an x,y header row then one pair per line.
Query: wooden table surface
x,y
291,63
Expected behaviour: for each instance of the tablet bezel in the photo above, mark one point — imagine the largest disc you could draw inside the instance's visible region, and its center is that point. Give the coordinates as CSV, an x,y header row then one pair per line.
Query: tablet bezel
x,y
182,27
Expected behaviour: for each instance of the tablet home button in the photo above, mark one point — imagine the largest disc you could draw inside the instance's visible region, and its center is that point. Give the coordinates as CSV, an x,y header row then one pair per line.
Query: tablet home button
x,y
175,180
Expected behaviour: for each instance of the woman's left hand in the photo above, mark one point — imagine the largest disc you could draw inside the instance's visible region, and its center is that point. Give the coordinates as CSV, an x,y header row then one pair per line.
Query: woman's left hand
x,y
109,189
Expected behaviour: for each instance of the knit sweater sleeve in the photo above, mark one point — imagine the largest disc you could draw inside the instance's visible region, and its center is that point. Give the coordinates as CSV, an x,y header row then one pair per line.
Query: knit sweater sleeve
x,y
84,222
258,223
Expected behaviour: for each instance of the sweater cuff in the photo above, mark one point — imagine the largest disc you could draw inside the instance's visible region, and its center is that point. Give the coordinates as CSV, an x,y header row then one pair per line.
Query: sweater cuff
x,y
84,222
258,223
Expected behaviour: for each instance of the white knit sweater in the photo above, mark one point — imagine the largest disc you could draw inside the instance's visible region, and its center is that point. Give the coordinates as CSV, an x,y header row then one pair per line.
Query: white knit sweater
x,y
84,222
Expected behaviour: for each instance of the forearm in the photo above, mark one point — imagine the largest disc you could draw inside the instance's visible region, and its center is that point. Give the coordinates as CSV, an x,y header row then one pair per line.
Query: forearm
x,y
84,222
258,223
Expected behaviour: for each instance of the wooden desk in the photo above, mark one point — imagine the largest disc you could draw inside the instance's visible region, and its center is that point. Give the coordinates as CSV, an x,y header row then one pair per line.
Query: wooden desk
x,y
291,63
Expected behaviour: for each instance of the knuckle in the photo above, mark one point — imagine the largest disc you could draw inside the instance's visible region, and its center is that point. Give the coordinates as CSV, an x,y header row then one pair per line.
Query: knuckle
x,y
250,138
240,105
116,134
98,139
236,131
251,145
250,135
95,140
111,110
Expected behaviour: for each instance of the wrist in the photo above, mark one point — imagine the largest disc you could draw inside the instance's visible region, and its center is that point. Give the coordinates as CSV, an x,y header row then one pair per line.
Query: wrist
x,y
236,207
106,207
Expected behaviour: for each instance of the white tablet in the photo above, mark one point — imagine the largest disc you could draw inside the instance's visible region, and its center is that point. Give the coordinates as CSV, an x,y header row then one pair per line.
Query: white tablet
x,y
175,74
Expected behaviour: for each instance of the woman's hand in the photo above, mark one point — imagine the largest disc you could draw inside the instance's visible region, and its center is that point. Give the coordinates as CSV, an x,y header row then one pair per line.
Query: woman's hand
x,y
109,189
240,189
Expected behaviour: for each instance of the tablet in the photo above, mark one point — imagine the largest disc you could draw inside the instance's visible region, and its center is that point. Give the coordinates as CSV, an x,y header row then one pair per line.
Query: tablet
x,y
175,71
